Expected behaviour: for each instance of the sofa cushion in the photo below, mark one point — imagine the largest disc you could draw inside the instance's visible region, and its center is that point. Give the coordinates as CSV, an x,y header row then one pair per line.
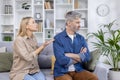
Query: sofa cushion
x,y
8,45
52,64
3,49
44,59
6,60
94,59
46,72
4,76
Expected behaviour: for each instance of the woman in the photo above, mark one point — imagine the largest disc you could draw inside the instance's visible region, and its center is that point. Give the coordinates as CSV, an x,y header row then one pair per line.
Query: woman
x,y
25,65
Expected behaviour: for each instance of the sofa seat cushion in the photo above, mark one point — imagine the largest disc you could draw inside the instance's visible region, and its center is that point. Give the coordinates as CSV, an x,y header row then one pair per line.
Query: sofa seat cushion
x,y
47,74
5,75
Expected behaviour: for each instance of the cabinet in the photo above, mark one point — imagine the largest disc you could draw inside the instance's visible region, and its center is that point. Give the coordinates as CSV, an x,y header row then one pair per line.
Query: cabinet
x,y
6,20
49,15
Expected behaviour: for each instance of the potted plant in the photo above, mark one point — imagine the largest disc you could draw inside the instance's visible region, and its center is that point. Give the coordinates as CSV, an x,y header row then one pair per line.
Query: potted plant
x,y
108,42
7,38
25,6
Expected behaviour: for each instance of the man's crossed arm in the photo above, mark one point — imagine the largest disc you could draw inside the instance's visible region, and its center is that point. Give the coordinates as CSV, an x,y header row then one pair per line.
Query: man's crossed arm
x,y
76,57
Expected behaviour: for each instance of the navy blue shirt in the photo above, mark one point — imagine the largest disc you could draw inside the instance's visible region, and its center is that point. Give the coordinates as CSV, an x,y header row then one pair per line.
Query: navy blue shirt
x,y
63,44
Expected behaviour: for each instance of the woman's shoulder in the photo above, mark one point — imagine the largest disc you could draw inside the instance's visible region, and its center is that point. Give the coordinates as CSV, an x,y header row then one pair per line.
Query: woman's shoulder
x,y
19,39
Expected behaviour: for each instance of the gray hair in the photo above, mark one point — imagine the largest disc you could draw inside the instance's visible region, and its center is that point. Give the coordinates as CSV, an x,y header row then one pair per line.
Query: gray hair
x,y
71,15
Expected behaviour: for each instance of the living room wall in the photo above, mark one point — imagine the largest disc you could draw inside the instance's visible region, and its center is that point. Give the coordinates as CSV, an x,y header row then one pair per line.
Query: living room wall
x,y
94,20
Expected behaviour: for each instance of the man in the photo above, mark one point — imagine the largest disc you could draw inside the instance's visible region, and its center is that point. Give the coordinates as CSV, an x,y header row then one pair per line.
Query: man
x,y
71,52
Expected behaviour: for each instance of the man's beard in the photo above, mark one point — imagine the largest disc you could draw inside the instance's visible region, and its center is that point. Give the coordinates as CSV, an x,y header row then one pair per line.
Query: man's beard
x,y
74,29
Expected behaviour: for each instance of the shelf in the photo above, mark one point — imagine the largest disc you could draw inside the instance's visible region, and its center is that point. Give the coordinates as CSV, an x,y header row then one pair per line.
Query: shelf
x,y
84,9
23,0
7,33
23,10
84,28
60,18
6,14
49,28
7,41
38,32
7,24
48,38
63,4
49,10
37,5
38,19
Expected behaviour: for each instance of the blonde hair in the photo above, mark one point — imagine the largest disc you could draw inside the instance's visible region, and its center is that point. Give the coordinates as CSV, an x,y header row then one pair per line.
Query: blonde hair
x,y
23,24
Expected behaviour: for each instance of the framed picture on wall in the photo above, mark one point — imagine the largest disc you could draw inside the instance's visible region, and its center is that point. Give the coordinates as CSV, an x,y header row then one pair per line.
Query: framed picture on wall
x,y
82,22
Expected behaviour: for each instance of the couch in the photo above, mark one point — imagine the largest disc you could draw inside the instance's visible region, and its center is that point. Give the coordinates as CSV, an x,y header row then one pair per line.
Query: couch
x,y
44,60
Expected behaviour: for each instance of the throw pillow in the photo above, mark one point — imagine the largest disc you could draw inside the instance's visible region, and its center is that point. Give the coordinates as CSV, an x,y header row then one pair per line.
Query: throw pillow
x,y
3,49
94,59
6,60
52,63
44,58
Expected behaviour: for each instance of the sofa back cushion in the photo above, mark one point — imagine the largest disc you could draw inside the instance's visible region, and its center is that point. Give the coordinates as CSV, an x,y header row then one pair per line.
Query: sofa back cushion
x,y
8,45
3,49
44,58
94,60
6,60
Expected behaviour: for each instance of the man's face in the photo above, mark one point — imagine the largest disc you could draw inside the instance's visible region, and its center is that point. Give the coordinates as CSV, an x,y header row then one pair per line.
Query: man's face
x,y
75,25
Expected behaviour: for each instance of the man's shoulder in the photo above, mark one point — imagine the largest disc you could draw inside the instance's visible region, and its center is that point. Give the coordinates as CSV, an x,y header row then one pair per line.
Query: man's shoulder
x,y
59,35
79,35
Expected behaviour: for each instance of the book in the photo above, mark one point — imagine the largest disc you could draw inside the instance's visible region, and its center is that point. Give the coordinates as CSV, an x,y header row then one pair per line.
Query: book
x,y
6,9
76,5
82,24
40,29
47,23
10,9
69,1
51,24
48,5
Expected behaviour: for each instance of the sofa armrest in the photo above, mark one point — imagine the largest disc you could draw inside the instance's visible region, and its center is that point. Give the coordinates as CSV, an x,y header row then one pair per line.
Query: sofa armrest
x,y
102,70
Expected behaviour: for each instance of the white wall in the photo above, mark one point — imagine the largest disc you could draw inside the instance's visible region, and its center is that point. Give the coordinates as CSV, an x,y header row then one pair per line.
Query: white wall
x,y
95,20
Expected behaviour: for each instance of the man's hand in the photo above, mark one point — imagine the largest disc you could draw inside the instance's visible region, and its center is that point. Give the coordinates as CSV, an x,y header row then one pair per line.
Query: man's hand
x,y
83,50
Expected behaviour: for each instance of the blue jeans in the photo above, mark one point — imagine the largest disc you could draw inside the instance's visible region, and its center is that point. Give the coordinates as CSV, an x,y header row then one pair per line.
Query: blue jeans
x,y
36,76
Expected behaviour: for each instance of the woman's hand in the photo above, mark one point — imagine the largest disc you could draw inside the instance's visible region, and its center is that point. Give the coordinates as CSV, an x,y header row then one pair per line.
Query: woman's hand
x,y
37,51
47,42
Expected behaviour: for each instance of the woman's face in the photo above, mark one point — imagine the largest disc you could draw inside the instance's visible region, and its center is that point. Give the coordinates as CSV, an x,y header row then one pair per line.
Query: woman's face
x,y
32,25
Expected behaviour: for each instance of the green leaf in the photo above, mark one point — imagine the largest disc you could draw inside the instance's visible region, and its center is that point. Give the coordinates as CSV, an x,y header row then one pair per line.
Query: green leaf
x,y
110,45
